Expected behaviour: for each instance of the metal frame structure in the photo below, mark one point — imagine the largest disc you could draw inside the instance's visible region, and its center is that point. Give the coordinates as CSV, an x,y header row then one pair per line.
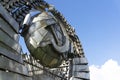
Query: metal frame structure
x,y
15,65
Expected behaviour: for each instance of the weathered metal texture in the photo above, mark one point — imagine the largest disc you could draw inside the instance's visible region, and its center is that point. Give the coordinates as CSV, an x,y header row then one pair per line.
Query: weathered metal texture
x,y
80,61
43,73
81,75
80,70
11,55
12,76
78,50
11,62
76,79
9,39
43,77
33,66
8,30
8,18
17,9
73,78
12,66
44,43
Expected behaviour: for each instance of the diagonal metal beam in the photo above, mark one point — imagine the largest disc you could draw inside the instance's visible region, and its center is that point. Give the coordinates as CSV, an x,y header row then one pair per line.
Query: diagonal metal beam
x,y
9,18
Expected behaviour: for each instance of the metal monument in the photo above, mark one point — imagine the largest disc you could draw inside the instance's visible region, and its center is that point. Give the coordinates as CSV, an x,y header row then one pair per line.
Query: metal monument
x,y
55,50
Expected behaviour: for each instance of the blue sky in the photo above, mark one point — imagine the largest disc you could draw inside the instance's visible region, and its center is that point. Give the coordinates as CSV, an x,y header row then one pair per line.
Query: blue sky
x,y
97,23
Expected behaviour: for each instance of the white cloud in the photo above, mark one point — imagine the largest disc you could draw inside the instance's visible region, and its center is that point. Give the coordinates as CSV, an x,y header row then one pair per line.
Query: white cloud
x,y
108,71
